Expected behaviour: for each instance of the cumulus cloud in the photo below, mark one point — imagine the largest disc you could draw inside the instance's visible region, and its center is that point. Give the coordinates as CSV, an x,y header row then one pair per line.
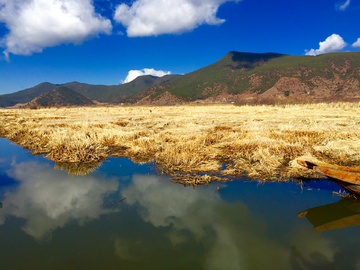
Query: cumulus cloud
x,y
36,24
331,44
156,17
343,6
133,74
356,43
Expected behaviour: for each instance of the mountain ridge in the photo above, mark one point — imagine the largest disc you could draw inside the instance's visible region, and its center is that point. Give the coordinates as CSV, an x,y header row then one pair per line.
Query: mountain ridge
x,y
244,75
100,93
26,95
61,96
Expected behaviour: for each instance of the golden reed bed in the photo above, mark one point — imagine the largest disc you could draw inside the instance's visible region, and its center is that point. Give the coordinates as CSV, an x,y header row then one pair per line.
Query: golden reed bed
x,y
262,141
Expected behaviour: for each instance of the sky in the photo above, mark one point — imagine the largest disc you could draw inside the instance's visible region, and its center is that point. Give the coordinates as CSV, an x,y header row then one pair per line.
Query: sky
x,y
112,41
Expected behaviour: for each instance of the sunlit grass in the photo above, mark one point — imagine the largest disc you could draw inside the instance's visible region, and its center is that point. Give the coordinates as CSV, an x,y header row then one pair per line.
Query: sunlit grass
x,y
262,141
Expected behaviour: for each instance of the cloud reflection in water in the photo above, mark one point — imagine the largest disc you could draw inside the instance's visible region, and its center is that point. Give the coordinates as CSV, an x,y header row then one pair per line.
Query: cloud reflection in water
x,y
224,235
232,238
48,199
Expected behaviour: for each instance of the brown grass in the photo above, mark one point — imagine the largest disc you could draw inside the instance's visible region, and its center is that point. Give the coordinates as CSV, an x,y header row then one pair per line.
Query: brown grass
x,y
262,142
77,168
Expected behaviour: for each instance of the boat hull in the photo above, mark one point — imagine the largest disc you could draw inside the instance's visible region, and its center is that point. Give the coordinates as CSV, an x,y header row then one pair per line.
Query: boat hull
x,y
346,177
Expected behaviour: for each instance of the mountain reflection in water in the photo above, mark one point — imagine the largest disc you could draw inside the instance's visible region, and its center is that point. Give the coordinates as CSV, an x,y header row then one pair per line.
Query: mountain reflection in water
x,y
70,222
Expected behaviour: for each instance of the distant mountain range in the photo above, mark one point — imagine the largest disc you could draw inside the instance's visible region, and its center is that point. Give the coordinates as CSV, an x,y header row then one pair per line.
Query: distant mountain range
x,y
235,76
99,93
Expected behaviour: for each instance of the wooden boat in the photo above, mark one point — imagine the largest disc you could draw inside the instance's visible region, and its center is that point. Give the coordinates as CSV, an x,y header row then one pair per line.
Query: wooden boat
x,y
346,177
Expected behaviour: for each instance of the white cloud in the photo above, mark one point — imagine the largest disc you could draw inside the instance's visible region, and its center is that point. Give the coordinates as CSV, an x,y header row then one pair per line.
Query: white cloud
x,y
343,6
36,24
156,17
356,43
133,74
331,44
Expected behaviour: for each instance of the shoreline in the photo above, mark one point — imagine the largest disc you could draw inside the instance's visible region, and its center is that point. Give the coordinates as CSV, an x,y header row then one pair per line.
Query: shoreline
x,y
185,141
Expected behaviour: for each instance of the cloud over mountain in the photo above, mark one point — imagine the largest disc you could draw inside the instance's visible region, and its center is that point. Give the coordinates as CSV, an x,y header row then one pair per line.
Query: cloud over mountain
x,y
133,74
331,44
156,17
356,43
36,24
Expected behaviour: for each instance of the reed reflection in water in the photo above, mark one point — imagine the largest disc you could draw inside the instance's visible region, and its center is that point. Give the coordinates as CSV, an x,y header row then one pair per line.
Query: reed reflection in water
x,y
77,168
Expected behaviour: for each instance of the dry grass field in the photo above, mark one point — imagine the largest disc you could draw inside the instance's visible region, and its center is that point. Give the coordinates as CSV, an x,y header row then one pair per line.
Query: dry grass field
x,y
262,142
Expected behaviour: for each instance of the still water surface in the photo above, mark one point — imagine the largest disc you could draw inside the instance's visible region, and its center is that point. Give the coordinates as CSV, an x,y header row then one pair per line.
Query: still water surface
x,y
52,220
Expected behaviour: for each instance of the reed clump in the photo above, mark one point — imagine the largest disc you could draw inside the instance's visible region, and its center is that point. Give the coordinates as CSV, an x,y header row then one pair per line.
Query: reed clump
x,y
262,141
77,168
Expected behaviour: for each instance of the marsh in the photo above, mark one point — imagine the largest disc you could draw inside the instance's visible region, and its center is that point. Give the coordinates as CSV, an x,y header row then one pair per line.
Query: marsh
x,y
263,142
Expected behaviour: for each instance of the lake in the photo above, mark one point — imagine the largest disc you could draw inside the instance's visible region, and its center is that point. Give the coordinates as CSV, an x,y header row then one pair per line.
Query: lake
x,y
125,216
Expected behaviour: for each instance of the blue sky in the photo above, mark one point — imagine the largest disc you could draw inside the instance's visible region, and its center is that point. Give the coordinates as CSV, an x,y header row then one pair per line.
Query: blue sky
x,y
101,41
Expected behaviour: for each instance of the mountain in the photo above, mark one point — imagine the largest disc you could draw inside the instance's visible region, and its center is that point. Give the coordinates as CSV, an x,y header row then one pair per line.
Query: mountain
x,y
248,74
101,93
236,76
61,96
116,93
25,95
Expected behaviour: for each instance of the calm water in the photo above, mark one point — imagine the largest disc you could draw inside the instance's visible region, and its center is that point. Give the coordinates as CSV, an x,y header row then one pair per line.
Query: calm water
x,y
52,220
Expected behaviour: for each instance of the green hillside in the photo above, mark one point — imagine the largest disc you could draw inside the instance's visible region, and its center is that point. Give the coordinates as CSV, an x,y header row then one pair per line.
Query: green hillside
x,y
101,93
237,73
116,93
62,96
25,95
